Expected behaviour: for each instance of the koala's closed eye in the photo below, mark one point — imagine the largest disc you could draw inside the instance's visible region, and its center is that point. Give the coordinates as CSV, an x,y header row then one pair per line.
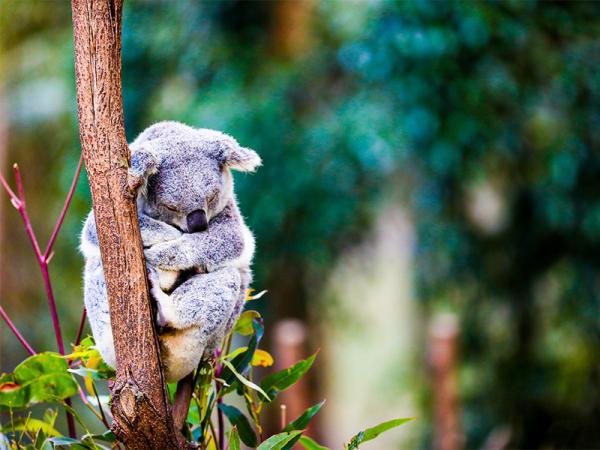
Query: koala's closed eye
x,y
170,208
213,198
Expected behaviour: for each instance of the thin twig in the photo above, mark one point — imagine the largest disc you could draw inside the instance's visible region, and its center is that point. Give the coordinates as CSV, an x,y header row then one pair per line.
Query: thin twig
x,y
23,211
86,402
104,421
11,194
18,202
16,332
61,218
81,326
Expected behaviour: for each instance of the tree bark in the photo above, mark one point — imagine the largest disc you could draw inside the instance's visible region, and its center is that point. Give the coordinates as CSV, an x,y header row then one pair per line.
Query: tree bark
x,y
140,406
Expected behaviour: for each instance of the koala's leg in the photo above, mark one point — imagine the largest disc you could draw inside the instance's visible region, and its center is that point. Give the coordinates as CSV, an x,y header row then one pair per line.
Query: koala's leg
x,y
96,304
205,301
181,351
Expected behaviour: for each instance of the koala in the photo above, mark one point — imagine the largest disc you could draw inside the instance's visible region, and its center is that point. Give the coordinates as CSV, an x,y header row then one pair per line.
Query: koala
x,y
198,249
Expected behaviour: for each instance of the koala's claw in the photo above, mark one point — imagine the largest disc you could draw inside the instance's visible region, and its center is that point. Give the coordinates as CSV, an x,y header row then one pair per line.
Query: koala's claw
x,y
134,181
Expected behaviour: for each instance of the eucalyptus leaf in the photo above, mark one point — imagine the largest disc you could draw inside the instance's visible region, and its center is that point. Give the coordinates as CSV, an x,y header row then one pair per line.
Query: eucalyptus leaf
x,y
277,382
70,443
243,325
234,439
245,381
33,426
240,421
279,441
302,421
373,432
243,360
107,436
40,378
309,444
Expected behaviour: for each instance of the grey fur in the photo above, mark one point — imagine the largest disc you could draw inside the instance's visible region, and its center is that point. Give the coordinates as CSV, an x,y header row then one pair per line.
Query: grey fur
x,y
177,170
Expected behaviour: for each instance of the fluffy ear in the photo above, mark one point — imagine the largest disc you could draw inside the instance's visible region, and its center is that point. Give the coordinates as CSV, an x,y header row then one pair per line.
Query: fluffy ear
x,y
144,162
242,159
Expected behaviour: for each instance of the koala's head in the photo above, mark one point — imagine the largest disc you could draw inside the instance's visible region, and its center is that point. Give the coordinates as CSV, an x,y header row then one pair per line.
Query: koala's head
x,y
184,174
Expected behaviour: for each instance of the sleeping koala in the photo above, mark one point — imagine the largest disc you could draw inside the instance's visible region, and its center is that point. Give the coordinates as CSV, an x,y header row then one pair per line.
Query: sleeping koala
x,y
198,248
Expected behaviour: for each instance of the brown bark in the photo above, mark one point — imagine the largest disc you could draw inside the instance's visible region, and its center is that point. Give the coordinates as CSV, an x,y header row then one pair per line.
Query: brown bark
x,y
142,417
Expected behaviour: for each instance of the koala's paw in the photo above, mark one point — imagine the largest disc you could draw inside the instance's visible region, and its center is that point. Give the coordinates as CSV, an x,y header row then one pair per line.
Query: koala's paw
x,y
163,300
166,256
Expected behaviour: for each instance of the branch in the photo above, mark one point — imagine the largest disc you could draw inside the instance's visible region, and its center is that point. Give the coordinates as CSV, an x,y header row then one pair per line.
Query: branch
x,y
63,213
140,406
16,332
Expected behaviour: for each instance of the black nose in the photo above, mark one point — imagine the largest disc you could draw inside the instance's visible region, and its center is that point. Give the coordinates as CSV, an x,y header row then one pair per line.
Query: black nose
x,y
196,221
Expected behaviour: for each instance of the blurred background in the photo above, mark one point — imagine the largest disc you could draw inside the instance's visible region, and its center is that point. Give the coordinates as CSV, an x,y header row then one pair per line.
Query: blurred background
x,y
428,212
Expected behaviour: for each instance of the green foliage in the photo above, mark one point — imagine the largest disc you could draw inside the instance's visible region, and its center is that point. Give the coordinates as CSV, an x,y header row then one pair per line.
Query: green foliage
x,y
31,425
234,439
280,381
40,378
301,422
279,441
241,423
33,375
309,444
244,325
371,433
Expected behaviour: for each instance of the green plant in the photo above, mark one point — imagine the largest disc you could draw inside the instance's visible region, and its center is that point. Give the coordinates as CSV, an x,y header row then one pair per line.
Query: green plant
x,y
51,378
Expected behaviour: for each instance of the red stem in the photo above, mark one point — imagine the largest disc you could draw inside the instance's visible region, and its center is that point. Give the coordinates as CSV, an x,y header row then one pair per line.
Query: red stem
x,y
8,189
61,218
43,259
23,211
81,325
16,331
53,310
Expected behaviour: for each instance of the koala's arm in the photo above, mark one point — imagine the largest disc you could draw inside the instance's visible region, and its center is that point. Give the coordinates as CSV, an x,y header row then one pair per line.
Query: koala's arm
x,y
226,242
155,232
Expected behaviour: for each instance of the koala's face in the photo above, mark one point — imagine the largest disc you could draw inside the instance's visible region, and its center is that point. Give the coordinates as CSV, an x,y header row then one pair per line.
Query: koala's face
x,y
187,173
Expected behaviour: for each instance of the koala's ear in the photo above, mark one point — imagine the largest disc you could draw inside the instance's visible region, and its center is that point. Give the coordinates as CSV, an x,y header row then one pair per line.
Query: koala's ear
x,y
242,159
144,162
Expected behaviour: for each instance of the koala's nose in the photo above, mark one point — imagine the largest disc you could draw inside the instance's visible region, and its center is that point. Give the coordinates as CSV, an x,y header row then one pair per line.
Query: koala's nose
x,y
196,221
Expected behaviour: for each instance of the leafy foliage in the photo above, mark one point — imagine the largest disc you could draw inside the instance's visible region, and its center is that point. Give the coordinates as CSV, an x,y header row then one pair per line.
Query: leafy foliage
x,y
40,378
280,381
302,422
371,433
50,378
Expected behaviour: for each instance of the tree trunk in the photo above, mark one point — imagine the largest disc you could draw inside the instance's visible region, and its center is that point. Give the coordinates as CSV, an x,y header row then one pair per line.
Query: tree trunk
x,y
140,406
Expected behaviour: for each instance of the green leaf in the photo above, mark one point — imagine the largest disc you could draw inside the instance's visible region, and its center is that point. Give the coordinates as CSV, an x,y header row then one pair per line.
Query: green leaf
x,y
107,436
33,426
279,441
50,416
309,444
234,439
280,381
245,381
242,361
302,422
93,373
372,433
193,416
65,442
40,378
239,420
243,325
